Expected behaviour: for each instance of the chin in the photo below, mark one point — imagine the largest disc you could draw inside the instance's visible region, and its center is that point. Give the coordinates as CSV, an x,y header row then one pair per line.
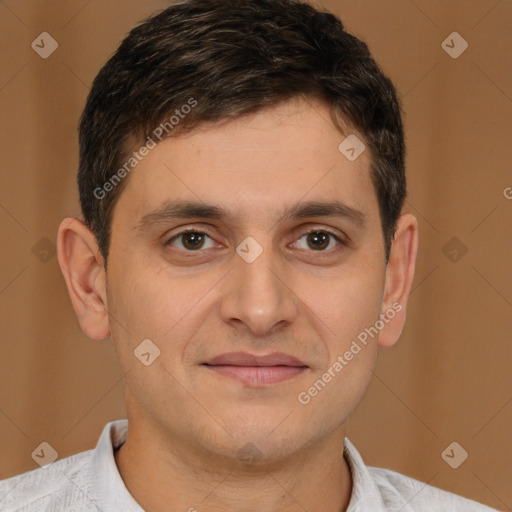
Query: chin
x,y
259,441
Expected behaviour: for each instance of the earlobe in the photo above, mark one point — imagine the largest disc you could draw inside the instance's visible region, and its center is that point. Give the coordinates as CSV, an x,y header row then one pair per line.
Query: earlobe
x,y
82,267
399,278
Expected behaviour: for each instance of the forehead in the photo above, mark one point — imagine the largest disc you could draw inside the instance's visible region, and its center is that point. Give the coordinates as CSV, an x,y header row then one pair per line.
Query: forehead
x,y
253,164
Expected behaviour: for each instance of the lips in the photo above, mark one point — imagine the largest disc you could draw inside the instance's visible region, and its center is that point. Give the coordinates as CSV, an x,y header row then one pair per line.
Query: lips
x,y
246,359
256,370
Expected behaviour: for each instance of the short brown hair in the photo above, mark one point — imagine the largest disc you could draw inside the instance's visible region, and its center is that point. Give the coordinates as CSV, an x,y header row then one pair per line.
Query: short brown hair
x,y
234,57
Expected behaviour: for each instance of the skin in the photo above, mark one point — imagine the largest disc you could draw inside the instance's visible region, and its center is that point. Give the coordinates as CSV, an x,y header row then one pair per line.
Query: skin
x,y
188,423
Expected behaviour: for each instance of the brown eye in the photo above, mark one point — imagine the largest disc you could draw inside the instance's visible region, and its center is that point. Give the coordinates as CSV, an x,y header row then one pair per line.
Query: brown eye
x,y
190,240
318,241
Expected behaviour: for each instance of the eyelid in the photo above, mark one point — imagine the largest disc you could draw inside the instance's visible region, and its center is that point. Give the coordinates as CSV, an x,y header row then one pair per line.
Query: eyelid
x,y
342,240
341,237
184,231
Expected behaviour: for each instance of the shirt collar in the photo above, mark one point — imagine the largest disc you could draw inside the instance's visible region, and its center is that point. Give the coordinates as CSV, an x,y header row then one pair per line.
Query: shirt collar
x,y
110,494
108,489
365,493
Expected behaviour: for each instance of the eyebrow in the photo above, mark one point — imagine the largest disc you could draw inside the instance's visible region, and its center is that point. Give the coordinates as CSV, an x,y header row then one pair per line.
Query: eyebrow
x,y
199,210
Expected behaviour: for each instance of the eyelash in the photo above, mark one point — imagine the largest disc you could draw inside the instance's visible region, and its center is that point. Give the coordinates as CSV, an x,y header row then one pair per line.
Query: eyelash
x,y
199,232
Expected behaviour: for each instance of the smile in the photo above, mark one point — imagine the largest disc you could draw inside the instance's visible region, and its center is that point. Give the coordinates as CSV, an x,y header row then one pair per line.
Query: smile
x,y
255,370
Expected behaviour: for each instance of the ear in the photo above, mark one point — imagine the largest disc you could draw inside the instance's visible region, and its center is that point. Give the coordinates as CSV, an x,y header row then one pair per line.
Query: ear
x,y
81,264
399,277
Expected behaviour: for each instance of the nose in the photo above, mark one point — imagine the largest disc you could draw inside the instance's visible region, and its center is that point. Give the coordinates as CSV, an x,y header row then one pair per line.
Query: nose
x,y
257,297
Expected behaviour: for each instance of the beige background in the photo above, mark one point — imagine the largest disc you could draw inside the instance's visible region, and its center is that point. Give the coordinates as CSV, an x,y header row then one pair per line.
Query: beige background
x,y
449,377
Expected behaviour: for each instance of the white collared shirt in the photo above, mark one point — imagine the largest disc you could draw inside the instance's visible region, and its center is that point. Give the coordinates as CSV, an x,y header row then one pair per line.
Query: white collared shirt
x,y
90,482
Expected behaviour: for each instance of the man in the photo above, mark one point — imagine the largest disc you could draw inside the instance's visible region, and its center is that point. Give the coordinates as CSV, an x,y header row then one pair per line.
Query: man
x,y
241,180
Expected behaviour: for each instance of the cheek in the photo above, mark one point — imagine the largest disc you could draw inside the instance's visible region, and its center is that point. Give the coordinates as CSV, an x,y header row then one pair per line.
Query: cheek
x,y
157,306
164,310
344,305
346,309
347,304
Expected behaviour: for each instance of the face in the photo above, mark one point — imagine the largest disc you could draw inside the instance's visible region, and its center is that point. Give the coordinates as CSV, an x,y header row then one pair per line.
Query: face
x,y
249,296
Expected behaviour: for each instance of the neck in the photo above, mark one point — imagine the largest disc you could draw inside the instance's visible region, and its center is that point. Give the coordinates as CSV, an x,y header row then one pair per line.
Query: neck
x,y
161,478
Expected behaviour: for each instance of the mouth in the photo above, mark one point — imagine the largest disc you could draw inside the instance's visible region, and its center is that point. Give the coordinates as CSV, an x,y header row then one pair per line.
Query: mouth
x,y
257,370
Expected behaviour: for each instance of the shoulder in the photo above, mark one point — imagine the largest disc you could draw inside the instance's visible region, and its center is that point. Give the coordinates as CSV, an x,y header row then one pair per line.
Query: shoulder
x,y
404,493
62,485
